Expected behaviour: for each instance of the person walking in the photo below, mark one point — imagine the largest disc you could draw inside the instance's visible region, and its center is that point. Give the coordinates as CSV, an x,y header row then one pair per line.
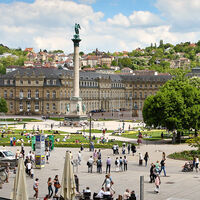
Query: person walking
x,y
157,183
117,164
129,148
99,154
140,159
121,164
47,156
35,187
108,164
107,182
50,189
146,157
95,156
133,149
197,164
152,176
163,156
79,157
162,163
90,164
56,185
125,161
99,165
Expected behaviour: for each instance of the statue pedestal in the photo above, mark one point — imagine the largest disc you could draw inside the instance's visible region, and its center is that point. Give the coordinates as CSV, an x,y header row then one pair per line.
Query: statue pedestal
x,y
77,113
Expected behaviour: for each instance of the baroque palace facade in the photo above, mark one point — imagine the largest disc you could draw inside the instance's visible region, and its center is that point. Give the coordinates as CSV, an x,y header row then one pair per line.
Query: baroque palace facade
x,y
47,91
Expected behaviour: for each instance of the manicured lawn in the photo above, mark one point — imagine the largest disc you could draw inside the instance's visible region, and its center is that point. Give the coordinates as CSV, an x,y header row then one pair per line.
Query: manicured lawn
x,y
20,120
74,140
147,135
184,155
57,118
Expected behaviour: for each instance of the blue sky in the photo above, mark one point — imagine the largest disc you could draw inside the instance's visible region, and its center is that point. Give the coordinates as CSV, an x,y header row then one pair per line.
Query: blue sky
x,y
110,25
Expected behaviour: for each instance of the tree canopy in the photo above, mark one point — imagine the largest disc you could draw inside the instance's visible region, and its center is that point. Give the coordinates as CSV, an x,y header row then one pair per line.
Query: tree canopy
x,y
3,105
175,106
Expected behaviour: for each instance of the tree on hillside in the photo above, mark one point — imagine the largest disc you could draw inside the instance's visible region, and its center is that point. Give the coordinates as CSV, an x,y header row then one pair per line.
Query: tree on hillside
x,y
3,105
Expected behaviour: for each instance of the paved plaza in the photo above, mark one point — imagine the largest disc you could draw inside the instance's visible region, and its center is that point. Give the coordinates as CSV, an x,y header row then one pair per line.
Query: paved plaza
x,y
176,186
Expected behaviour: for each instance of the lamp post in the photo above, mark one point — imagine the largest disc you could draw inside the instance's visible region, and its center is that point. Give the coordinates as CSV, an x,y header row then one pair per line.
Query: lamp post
x,y
90,133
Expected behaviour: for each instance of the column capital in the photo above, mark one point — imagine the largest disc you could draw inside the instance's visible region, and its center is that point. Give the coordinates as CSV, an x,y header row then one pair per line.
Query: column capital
x,y
76,42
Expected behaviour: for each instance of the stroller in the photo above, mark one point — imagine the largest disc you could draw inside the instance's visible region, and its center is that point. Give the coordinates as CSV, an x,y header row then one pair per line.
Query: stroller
x,y
188,167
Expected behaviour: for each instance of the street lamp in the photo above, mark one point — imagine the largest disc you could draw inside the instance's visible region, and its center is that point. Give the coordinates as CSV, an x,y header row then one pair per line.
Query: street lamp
x,y
90,133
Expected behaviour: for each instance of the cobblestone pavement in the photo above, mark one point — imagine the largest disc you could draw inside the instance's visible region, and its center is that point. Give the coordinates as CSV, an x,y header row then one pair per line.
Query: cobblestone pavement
x,y
176,186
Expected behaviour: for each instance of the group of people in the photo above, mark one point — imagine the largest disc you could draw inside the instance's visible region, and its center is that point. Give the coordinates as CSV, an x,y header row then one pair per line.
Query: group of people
x,y
120,163
50,184
155,171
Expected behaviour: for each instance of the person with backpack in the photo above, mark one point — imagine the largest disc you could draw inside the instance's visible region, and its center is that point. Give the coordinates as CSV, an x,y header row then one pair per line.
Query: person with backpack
x,y
108,164
117,164
99,165
121,164
90,164
125,161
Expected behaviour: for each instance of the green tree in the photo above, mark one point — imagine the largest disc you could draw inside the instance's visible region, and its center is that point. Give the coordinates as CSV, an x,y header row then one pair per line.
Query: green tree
x,y
114,63
2,69
3,105
175,106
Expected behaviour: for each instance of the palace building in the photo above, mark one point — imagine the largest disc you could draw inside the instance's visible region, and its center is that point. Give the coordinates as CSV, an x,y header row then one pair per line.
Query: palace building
x,y
47,91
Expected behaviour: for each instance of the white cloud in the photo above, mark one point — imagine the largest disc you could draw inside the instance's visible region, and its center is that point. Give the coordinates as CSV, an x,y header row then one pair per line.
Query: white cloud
x,y
183,15
49,24
144,19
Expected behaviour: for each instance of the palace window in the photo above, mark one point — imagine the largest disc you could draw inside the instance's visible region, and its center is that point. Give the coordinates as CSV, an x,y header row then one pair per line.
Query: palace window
x,y
54,106
145,95
5,93
36,106
48,82
37,94
29,94
140,94
20,106
54,94
28,105
11,106
47,106
21,94
54,82
48,94
29,82
11,93
135,94
36,82
21,82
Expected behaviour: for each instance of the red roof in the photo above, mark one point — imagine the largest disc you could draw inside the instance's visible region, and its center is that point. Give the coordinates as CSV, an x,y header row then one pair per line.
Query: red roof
x,y
29,49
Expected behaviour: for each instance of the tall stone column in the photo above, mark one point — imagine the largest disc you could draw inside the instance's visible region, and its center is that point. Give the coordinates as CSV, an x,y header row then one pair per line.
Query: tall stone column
x,y
76,68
